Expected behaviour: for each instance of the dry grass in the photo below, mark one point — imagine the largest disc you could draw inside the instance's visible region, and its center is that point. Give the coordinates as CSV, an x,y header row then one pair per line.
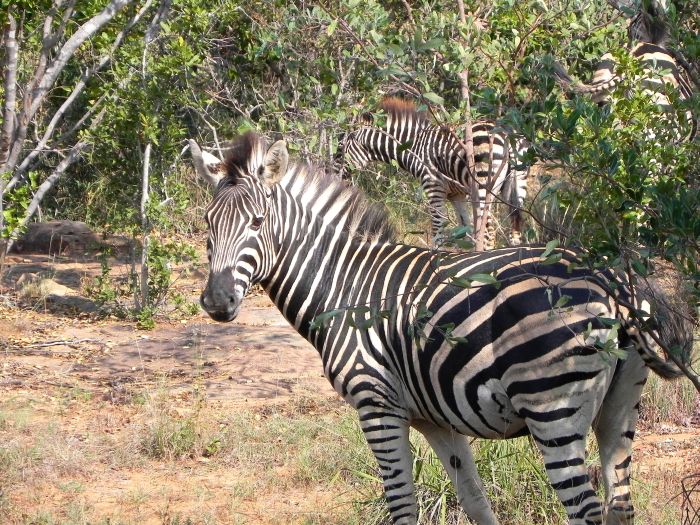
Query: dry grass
x,y
70,457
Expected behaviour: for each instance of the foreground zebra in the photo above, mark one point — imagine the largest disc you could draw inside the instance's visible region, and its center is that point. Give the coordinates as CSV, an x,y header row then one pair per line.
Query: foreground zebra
x,y
491,360
662,78
433,154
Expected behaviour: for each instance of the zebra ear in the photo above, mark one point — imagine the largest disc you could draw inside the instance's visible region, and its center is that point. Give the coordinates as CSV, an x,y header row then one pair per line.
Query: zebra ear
x,y
275,163
207,166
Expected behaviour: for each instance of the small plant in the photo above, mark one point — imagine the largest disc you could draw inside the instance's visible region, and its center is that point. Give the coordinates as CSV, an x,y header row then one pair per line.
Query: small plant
x,y
111,293
145,318
171,436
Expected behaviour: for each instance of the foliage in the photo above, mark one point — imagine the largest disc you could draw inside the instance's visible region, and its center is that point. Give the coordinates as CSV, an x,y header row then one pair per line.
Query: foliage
x,y
115,294
507,467
308,70
16,203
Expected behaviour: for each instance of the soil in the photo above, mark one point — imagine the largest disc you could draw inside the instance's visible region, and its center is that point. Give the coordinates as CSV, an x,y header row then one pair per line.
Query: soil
x,y
76,373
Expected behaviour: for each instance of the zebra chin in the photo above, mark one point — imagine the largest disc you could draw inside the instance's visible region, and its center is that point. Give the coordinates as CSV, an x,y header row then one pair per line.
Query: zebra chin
x,y
223,316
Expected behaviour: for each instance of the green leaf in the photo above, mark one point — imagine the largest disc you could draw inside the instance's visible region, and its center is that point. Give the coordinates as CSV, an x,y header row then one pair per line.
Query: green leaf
x,y
434,98
562,301
554,243
639,267
331,27
324,318
552,259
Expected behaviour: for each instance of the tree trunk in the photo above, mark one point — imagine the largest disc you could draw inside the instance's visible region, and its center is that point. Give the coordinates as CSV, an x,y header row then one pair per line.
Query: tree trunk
x,y
10,85
145,228
479,233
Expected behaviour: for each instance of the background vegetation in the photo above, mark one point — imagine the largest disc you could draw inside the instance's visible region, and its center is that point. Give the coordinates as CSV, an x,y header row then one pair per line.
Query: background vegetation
x,y
114,119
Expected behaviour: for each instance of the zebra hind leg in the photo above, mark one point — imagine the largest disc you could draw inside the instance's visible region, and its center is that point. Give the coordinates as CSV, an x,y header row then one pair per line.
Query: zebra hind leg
x,y
387,436
614,428
456,455
516,227
564,460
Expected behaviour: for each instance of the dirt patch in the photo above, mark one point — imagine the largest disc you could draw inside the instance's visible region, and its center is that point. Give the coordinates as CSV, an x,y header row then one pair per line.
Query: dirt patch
x,y
78,391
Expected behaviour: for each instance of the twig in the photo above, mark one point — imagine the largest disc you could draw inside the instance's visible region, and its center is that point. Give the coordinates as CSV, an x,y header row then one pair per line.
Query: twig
x,y
62,342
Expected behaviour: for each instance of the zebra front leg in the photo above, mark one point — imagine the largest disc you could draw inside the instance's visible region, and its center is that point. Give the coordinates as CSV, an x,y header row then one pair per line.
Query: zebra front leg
x,y
485,222
436,194
456,456
387,436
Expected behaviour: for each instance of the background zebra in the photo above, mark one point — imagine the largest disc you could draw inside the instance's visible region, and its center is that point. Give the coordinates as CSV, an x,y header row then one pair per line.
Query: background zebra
x,y
662,78
434,155
493,344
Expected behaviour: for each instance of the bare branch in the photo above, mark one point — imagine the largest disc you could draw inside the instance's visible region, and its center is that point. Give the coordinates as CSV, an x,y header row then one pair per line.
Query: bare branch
x,y
36,97
409,11
10,86
104,61
145,224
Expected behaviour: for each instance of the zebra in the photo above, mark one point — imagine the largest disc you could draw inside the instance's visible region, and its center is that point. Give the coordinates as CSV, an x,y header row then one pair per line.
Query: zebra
x,y
662,80
492,344
435,156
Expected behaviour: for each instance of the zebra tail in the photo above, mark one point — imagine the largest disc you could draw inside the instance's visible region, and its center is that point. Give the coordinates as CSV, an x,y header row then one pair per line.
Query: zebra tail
x,y
672,322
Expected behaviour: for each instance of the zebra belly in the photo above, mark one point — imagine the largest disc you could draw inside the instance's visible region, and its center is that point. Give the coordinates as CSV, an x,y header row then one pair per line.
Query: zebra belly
x,y
489,414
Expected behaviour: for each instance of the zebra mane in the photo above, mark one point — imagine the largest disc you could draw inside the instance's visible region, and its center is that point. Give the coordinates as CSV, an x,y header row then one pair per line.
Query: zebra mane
x,y
366,220
402,109
245,155
310,184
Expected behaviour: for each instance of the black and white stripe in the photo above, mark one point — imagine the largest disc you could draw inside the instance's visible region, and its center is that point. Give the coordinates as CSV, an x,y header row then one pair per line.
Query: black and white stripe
x,y
662,78
435,156
489,360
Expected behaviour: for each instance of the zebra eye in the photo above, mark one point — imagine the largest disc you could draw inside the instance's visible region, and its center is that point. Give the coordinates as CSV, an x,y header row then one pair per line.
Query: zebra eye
x,y
256,222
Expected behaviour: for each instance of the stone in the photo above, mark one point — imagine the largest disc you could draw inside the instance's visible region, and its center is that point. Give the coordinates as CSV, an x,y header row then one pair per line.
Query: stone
x,y
57,238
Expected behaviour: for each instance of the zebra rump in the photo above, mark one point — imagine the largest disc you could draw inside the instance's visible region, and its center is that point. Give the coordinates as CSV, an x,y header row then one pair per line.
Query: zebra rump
x,y
497,344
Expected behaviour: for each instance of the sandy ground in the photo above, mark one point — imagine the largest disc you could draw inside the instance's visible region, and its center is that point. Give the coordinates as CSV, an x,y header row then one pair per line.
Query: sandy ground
x,y
69,385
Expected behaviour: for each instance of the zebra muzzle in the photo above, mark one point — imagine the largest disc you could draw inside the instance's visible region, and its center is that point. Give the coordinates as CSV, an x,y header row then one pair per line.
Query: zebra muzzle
x,y
220,304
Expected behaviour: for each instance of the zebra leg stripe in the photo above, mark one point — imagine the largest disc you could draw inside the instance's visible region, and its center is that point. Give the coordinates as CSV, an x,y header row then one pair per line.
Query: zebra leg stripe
x,y
387,436
456,455
436,194
614,429
564,462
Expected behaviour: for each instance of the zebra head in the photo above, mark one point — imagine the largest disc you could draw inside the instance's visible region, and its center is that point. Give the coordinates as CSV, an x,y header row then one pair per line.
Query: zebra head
x,y
240,244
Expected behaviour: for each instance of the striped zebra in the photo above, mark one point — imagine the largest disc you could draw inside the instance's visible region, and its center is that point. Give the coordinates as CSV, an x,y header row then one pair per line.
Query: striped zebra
x,y
492,344
662,81
434,155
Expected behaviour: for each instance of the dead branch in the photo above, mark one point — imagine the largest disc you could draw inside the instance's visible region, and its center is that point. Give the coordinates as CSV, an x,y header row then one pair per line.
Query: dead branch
x,y
64,342
35,98
104,61
10,87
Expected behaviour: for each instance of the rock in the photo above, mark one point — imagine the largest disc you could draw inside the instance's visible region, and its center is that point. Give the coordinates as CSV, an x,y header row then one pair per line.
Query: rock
x,y
41,289
57,237
27,278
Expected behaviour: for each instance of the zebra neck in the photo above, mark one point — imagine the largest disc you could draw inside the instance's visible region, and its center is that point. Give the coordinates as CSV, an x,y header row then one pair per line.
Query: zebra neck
x,y
398,142
317,273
